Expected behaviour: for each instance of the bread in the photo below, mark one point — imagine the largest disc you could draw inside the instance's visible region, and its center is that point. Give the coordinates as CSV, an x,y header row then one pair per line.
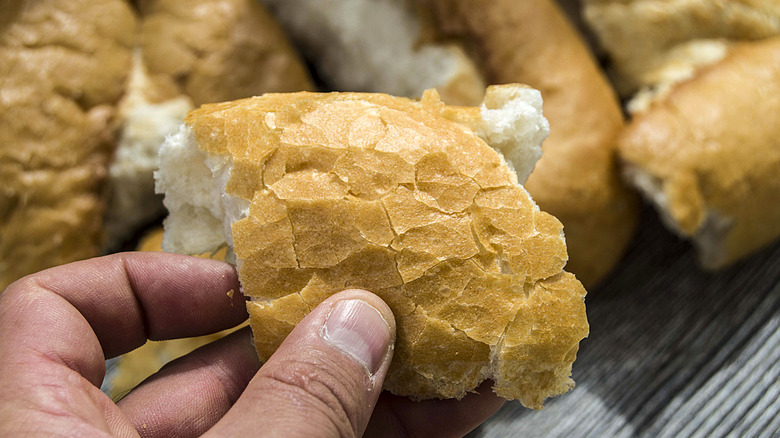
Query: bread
x,y
215,51
708,155
577,179
352,43
187,54
316,193
144,125
655,42
378,46
63,66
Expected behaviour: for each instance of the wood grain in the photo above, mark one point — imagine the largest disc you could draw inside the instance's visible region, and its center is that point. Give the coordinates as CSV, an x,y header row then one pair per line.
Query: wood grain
x,y
673,351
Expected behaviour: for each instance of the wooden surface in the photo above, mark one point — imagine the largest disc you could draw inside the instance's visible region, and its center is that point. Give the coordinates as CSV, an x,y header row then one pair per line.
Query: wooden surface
x,y
673,351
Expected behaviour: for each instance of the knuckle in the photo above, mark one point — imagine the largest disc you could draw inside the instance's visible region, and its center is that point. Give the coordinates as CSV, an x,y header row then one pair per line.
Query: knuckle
x,y
323,390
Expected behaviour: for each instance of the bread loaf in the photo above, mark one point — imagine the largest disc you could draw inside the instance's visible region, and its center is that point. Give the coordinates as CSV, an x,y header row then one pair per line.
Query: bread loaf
x,y
708,154
315,193
63,67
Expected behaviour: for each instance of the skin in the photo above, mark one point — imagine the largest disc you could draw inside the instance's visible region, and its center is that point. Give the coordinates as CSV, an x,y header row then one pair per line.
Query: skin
x,y
58,326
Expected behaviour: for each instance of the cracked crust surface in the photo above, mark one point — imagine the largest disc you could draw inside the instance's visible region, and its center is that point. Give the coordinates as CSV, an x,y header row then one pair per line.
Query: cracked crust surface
x,y
403,199
63,66
576,180
187,54
499,42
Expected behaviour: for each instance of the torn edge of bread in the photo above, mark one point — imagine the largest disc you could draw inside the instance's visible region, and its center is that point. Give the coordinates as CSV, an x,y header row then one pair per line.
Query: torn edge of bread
x,y
680,64
377,46
709,238
200,213
509,115
144,126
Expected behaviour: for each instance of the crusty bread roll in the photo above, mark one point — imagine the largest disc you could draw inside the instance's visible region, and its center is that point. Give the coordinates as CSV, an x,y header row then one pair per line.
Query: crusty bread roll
x,y
215,51
354,43
708,154
653,43
187,54
63,66
316,193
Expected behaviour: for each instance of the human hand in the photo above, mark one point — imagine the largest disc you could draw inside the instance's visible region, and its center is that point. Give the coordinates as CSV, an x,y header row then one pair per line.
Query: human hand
x,y
58,326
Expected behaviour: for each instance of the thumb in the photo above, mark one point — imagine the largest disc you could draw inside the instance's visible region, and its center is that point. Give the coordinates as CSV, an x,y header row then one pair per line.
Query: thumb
x,y
325,378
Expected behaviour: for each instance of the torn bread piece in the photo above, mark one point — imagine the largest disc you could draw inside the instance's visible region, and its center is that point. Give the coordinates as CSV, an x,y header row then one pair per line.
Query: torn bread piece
x,y
653,43
316,193
145,123
708,154
457,45
378,46
188,54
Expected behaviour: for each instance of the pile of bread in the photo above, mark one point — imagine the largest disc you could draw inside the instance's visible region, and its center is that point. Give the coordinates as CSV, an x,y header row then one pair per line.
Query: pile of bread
x,y
90,91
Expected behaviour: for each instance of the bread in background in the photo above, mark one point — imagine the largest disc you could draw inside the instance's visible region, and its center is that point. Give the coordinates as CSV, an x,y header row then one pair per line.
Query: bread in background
x,y
655,43
187,54
708,154
378,46
63,68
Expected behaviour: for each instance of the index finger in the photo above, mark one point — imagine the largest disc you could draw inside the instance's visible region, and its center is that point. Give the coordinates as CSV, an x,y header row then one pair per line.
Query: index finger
x,y
125,299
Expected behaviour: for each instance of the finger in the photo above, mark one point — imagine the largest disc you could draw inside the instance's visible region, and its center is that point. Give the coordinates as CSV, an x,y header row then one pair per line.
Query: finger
x,y
325,378
76,314
399,416
188,396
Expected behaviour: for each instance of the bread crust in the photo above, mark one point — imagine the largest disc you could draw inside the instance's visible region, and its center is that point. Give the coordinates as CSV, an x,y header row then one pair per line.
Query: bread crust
x,y
215,51
350,190
60,85
711,153
508,42
643,37
577,179
187,54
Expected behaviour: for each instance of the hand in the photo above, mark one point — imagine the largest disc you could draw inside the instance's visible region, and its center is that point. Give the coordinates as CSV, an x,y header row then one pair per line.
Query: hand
x,y
58,326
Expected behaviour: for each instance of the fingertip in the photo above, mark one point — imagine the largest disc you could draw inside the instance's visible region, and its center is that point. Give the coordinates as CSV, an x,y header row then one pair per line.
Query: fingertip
x,y
329,370
360,331
369,298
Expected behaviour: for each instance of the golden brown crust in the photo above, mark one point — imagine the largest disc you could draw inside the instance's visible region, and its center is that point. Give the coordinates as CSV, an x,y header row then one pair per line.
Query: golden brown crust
x,y
576,180
216,51
60,84
385,194
642,36
189,52
712,148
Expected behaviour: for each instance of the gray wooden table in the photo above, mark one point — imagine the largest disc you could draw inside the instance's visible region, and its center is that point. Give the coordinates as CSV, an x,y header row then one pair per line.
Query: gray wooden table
x,y
673,351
